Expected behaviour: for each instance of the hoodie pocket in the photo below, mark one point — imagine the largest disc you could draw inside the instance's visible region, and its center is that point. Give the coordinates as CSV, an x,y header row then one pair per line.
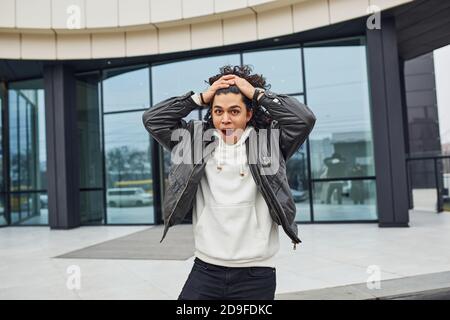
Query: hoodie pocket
x,y
230,232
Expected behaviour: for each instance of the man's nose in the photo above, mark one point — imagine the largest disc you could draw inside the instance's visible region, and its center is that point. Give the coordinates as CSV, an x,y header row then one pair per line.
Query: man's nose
x,y
225,118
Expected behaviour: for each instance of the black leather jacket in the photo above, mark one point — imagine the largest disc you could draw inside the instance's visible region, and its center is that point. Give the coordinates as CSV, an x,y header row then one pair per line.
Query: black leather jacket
x,y
294,121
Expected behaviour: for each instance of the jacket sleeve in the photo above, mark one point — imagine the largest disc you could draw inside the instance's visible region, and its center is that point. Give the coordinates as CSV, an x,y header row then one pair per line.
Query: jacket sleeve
x,y
167,116
294,120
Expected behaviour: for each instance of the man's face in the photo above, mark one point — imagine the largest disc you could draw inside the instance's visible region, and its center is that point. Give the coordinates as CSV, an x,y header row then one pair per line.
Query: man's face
x,y
230,116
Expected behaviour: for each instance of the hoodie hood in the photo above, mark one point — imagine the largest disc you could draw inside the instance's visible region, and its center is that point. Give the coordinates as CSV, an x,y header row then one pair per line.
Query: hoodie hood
x,y
223,147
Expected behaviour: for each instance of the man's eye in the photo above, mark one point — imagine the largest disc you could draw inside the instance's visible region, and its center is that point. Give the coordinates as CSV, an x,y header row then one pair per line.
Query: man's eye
x,y
217,111
234,112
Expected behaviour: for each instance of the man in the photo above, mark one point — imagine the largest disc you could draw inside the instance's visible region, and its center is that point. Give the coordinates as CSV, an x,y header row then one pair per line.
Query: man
x,y
237,204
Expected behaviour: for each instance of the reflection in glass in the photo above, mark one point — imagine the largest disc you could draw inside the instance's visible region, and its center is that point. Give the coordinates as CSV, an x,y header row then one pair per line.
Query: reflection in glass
x,y
282,68
28,169
29,208
126,89
297,175
341,142
129,183
445,184
91,207
89,131
344,200
91,160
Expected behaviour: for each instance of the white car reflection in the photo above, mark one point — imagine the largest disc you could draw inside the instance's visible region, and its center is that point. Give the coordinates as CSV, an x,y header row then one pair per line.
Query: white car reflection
x,y
122,197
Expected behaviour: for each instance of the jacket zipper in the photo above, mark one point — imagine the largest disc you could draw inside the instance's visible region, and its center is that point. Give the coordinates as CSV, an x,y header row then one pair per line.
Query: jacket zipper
x,y
258,184
291,235
166,227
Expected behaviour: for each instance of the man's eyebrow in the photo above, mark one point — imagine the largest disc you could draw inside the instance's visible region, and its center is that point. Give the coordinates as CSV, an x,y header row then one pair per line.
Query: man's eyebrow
x,y
231,107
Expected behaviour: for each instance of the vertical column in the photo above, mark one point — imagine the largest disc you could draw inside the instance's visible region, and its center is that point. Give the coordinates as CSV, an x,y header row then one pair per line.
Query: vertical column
x,y
62,147
388,125
5,185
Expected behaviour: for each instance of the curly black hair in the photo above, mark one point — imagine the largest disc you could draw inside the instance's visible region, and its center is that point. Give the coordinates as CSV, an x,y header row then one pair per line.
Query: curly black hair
x,y
261,117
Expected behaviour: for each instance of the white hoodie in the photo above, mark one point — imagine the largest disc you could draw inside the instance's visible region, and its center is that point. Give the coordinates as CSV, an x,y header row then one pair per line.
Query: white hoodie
x,y
231,220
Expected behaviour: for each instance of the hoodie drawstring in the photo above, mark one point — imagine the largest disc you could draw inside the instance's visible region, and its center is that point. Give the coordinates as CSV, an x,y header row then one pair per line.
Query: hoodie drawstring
x,y
241,160
220,151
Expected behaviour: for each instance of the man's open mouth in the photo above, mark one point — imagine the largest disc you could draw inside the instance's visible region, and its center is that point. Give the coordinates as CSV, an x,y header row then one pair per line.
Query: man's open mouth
x,y
227,132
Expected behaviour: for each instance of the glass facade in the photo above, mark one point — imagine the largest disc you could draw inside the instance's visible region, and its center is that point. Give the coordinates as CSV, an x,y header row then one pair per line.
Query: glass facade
x,y
91,155
331,176
283,70
341,147
27,153
281,67
344,200
128,170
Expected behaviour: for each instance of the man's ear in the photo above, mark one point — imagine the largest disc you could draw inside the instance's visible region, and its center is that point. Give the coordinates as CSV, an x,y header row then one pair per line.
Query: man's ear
x,y
249,114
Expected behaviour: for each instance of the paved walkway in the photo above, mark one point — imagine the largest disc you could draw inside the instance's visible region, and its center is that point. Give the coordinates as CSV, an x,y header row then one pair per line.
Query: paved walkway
x,y
332,255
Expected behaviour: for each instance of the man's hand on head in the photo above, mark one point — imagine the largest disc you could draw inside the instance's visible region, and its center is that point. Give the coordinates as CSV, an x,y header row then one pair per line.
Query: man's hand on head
x,y
244,86
223,82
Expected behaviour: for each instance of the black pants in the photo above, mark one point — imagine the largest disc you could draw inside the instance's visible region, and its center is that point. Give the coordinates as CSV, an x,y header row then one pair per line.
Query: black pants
x,y
334,186
211,282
